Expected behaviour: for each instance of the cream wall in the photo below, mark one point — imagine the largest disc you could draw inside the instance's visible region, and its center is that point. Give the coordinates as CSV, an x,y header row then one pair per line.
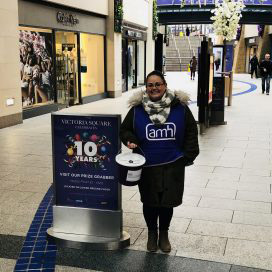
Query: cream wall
x,y
9,59
95,6
136,11
251,31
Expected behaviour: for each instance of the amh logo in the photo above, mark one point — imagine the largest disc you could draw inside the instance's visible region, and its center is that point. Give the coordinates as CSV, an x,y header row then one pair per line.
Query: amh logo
x,y
165,132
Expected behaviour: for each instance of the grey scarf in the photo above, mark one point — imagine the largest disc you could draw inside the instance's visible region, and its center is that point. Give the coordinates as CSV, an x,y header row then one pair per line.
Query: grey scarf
x,y
158,111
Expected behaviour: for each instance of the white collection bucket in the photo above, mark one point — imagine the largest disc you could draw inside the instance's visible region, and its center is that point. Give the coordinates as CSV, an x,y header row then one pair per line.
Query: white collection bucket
x,y
130,168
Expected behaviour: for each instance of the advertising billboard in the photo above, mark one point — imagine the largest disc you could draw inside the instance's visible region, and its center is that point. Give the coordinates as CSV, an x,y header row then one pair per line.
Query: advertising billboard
x,y
84,167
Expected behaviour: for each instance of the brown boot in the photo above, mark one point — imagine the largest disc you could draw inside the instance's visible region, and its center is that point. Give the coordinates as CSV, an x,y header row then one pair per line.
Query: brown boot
x,y
152,242
164,243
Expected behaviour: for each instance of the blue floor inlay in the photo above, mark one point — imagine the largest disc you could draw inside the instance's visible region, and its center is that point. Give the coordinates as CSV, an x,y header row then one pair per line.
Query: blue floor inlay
x,y
37,254
252,88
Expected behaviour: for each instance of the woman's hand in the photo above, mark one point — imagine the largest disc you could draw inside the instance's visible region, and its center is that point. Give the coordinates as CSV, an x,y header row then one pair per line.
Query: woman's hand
x,y
131,145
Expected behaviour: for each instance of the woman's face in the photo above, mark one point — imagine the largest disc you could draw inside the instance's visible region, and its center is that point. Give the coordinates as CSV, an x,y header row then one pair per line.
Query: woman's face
x,y
155,88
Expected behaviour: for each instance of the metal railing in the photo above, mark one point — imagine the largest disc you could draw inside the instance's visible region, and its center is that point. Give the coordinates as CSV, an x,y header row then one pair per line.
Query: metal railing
x,y
177,49
182,63
192,51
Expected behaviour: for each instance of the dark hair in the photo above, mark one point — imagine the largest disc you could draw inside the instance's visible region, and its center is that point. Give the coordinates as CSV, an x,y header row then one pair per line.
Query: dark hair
x,y
156,73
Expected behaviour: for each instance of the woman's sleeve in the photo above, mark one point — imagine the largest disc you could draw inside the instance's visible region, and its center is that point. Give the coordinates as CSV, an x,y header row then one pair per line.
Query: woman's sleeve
x,y
191,147
126,129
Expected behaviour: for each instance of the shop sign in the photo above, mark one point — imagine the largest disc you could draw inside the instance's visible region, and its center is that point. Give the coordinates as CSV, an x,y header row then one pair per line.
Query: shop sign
x,y
67,19
252,40
84,150
138,35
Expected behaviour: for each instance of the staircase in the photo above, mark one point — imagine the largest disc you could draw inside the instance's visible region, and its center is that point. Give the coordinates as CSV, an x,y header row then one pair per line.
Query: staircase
x,y
180,51
172,60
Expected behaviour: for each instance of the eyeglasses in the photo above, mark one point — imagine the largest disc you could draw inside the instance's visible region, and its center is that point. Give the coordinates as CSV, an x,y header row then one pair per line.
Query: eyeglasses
x,y
155,84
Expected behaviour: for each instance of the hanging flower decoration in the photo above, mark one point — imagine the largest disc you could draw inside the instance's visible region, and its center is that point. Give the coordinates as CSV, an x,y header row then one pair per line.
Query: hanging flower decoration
x,y
155,20
227,15
118,16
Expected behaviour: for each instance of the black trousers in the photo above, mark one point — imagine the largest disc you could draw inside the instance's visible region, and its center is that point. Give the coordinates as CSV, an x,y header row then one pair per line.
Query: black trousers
x,y
252,72
192,74
152,214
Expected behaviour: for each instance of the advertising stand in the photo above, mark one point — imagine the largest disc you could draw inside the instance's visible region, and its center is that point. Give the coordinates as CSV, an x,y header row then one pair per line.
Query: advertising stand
x,y
205,84
88,207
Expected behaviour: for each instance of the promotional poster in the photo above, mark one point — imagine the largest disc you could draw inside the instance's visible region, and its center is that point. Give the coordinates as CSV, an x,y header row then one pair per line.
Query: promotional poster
x,y
36,66
84,150
229,58
218,61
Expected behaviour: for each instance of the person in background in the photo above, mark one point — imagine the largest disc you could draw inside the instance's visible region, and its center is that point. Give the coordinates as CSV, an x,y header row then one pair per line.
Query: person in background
x,y
27,81
187,31
254,63
266,70
193,64
160,126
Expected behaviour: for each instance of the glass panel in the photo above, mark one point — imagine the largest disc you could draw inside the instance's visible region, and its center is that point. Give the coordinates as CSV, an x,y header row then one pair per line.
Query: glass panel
x,y
131,63
36,67
92,64
124,65
140,62
66,68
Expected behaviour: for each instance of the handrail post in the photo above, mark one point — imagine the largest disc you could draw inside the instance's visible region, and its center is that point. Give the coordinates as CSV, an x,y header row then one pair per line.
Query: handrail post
x,y
177,49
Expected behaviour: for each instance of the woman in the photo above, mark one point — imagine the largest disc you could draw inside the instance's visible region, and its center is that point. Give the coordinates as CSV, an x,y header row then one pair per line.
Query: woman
x,y
193,64
160,125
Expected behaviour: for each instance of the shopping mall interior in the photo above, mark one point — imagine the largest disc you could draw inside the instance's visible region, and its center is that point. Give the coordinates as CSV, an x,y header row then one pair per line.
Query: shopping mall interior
x,y
76,92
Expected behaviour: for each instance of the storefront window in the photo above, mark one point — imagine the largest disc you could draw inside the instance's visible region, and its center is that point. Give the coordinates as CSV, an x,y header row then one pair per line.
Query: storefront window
x,y
124,65
92,64
131,63
66,68
140,62
36,67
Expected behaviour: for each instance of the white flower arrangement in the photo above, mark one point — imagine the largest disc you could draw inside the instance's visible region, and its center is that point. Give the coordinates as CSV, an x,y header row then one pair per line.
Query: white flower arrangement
x,y
226,17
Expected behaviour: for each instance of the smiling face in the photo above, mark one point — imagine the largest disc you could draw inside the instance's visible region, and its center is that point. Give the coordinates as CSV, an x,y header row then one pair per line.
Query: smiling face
x,y
155,88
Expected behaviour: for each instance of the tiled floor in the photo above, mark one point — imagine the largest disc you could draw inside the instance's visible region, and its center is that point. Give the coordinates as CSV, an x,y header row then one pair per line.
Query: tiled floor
x,y
226,218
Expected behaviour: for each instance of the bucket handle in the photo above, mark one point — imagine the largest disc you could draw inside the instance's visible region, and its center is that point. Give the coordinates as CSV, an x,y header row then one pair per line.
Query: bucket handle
x,y
135,148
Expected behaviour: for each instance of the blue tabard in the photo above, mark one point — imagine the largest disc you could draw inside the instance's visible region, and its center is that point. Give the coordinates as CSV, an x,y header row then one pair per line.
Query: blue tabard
x,y
160,144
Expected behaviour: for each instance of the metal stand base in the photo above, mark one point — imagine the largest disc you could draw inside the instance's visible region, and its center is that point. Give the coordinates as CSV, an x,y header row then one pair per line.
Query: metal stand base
x,y
88,242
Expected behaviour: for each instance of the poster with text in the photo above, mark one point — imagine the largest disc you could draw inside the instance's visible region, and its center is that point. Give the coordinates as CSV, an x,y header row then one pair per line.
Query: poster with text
x,y
84,150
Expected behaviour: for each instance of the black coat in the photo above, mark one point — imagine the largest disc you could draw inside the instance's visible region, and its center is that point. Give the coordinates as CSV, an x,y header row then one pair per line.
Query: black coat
x,y
254,63
266,68
163,185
